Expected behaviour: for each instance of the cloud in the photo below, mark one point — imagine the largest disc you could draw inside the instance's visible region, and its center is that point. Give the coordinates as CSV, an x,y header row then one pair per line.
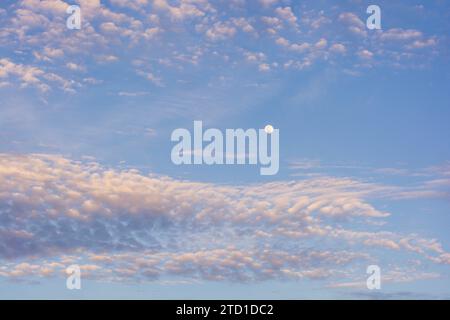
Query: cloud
x,y
243,24
30,76
400,34
154,30
420,44
92,81
106,58
52,208
338,48
132,4
354,24
264,67
151,77
396,275
220,31
133,94
185,9
286,14
365,54
109,27
255,56
56,7
268,3
75,67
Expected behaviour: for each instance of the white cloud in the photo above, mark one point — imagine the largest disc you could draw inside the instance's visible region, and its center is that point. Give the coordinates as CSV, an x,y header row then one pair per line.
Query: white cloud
x,y
109,27
273,22
220,31
106,58
365,54
75,67
398,34
53,52
338,48
185,9
321,44
243,24
354,24
420,44
264,67
56,7
287,15
151,77
31,76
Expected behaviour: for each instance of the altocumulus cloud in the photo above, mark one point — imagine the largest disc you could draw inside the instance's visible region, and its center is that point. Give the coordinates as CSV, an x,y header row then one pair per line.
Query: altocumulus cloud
x,y
126,226
171,36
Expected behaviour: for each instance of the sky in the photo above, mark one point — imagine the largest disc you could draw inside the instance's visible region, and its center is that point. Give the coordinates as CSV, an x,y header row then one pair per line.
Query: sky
x,y
86,176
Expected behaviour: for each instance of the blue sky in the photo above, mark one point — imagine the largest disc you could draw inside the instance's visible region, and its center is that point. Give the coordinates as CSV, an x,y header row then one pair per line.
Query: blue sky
x,y
86,176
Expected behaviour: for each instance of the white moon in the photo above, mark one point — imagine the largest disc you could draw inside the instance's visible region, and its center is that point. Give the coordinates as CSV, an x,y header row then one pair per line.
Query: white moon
x,y
268,129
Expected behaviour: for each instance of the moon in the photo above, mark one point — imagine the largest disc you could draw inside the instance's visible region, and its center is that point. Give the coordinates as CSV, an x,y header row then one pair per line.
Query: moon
x,y
268,129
